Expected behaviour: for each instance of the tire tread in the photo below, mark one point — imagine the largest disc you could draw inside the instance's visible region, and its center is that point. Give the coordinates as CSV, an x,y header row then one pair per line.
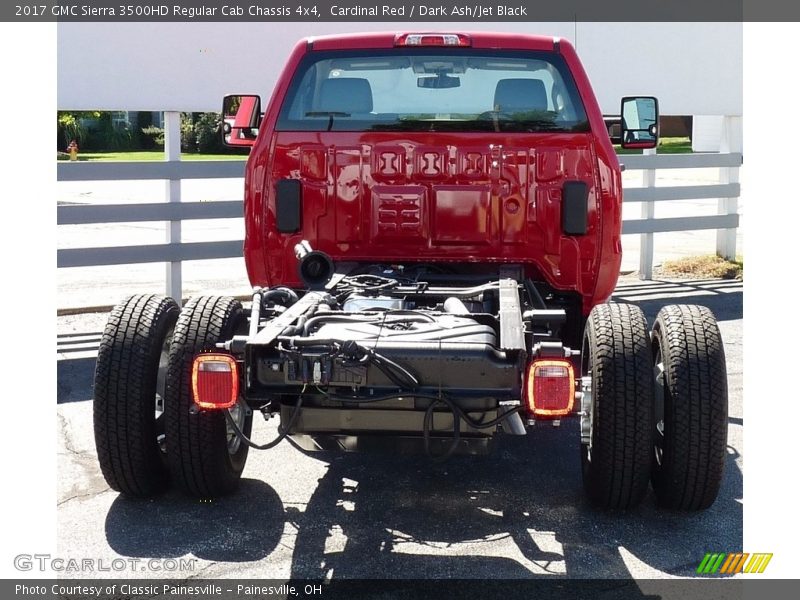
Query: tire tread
x,y
196,442
124,394
695,373
617,477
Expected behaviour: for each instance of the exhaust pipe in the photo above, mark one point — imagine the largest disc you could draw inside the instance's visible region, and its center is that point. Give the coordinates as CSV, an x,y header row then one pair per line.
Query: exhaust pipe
x,y
315,268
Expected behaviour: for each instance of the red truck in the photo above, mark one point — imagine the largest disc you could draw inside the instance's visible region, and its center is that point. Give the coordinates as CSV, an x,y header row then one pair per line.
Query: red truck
x,y
433,231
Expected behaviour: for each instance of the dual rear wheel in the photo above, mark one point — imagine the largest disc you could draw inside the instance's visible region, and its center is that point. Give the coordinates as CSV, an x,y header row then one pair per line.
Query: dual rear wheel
x,y
146,431
655,407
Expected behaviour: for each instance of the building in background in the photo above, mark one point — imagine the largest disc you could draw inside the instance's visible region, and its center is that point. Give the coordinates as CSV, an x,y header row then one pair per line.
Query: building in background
x,y
695,69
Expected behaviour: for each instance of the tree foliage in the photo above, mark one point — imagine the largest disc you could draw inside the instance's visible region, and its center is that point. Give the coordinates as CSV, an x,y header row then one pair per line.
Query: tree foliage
x,y
98,130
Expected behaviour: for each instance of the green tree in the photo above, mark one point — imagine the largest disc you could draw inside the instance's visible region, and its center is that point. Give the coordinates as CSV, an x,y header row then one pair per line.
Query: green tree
x,y
70,126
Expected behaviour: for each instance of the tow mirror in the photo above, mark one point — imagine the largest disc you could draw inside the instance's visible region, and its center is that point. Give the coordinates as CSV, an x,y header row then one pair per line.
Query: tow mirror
x,y
241,116
639,126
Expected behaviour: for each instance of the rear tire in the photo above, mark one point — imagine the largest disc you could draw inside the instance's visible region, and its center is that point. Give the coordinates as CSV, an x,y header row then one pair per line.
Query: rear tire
x,y
616,457
129,394
205,458
692,415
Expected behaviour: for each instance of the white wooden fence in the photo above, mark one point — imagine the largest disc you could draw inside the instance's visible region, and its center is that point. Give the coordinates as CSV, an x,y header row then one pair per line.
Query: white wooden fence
x,y
173,252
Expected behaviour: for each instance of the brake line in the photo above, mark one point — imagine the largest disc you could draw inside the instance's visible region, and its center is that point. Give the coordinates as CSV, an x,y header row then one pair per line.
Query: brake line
x,y
427,426
282,432
427,422
443,399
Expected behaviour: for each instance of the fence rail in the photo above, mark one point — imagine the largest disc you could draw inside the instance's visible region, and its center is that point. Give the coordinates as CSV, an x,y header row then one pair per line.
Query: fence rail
x,y
136,170
632,162
175,251
136,213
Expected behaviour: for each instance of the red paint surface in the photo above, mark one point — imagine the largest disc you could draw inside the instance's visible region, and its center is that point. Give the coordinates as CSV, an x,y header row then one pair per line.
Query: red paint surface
x,y
444,197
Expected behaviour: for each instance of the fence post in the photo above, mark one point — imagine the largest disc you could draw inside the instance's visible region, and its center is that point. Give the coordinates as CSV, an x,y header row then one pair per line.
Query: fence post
x,y
648,212
731,141
172,153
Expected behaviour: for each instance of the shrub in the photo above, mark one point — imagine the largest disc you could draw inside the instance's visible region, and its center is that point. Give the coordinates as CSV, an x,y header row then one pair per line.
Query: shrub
x,y
71,128
117,138
188,143
207,133
153,137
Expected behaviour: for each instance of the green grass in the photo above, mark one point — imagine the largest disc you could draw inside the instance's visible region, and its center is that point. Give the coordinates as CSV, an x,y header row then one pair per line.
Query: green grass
x,y
665,146
151,155
676,145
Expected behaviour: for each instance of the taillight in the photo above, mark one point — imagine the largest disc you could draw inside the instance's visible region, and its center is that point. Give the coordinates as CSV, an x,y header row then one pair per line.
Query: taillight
x,y
432,39
215,381
550,388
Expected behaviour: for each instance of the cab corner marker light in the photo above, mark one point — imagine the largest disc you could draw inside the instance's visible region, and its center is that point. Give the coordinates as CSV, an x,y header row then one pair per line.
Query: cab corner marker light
x,y
550,388
215,381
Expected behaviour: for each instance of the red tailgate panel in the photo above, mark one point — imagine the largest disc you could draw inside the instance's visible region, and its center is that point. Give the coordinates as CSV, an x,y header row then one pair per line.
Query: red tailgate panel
x,y
394,197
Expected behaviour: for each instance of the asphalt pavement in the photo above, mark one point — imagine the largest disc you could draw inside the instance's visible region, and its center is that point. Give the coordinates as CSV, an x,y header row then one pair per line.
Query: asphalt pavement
x,y
519,513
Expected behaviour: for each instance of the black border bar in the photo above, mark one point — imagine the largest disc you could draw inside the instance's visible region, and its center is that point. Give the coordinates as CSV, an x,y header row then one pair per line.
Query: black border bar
x,y
551,588
409,11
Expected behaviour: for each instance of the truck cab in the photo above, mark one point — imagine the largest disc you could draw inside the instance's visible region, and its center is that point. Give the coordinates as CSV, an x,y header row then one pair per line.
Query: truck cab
x,y
440,148
433,230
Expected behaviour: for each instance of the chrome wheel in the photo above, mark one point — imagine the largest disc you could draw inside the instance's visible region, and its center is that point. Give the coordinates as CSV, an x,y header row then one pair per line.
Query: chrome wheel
x,y
587,401
658,438
586,414
161,387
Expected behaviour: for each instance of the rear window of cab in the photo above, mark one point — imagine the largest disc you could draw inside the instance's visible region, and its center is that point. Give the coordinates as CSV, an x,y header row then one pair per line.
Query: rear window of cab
x,y
433,89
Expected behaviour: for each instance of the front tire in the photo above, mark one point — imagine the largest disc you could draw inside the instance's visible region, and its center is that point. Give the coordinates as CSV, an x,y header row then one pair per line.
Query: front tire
x,y
691,429
616,451
129,394
205,457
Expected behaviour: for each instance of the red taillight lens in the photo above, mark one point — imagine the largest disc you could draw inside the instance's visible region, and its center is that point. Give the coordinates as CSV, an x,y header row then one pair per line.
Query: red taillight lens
x,y
432,39
215,381
550,388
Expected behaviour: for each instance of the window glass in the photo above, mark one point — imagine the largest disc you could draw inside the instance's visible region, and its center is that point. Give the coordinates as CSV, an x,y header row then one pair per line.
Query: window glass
x,y
433,90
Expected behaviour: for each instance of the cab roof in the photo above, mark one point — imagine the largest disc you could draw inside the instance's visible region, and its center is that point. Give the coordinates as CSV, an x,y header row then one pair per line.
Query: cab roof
x,y
386,39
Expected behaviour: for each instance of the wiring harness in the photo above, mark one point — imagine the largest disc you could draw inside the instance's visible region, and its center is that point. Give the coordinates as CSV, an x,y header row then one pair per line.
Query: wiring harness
x,y
427,429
